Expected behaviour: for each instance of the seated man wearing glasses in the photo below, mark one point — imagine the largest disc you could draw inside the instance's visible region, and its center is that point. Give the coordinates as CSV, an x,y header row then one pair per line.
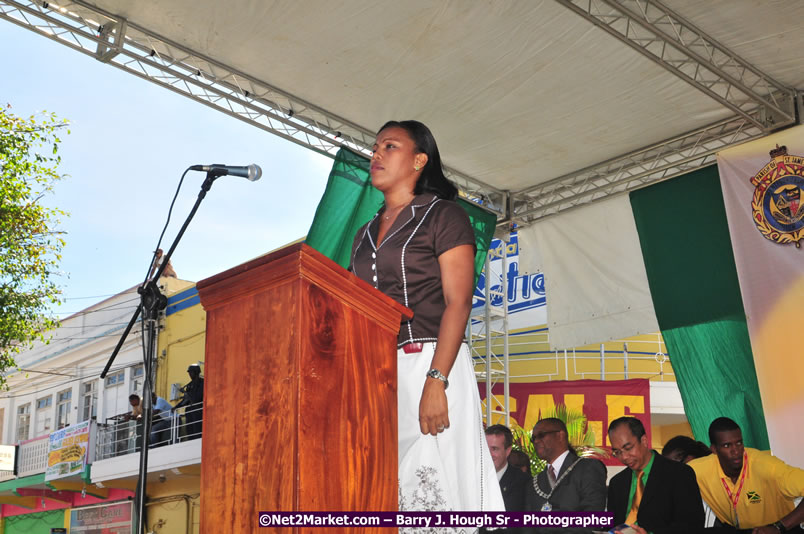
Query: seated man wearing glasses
x,y
654,494
568,483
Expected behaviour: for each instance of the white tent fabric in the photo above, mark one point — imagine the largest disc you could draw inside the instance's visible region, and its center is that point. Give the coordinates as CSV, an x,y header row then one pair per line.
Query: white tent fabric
x,y
516,92
593,272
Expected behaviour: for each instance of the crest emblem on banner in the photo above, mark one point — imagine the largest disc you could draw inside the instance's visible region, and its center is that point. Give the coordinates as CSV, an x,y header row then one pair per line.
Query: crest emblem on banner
x,y
778,202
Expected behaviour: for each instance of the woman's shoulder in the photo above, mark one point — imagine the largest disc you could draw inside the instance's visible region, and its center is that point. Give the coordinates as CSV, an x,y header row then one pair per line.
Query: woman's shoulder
x,y
448,224
436,206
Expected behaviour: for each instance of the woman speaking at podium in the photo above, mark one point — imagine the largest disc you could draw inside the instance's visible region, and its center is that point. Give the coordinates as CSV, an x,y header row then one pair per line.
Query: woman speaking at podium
x,y
419,249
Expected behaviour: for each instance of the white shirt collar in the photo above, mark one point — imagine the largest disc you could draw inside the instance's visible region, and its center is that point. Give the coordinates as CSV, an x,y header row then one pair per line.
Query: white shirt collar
x,y
559,462
502,471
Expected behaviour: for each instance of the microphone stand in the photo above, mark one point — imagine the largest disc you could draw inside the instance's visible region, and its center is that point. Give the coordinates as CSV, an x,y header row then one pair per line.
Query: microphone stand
x,y
152,301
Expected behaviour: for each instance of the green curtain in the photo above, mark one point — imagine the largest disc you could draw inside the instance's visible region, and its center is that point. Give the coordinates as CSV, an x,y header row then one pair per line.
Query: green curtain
x,y
349,202
688,258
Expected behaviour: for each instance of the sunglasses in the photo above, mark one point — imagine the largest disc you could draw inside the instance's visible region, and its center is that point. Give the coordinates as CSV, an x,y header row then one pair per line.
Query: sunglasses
x,y
540,435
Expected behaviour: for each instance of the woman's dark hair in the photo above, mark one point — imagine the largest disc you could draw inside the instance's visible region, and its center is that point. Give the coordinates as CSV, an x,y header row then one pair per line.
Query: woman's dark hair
x,y
518,460
432,179
687,446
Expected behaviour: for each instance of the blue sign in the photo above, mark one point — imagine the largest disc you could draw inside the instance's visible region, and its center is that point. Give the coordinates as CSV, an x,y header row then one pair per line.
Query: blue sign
x,y
524,291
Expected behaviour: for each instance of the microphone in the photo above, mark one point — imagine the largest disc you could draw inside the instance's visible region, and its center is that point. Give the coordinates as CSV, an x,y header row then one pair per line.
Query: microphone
x,y
251,172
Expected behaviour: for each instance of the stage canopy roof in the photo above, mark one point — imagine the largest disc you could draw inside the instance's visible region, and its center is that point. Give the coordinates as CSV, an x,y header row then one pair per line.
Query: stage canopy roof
x,y
538,106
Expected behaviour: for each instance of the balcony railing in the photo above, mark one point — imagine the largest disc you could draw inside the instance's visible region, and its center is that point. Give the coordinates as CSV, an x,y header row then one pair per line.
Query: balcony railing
x,y
33,456
531,360
119,436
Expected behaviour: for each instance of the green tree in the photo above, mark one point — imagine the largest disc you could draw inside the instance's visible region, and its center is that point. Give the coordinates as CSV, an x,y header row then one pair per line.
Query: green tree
x,y
30,242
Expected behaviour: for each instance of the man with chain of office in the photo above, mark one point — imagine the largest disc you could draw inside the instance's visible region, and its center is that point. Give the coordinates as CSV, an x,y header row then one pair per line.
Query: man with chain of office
x,y
568,483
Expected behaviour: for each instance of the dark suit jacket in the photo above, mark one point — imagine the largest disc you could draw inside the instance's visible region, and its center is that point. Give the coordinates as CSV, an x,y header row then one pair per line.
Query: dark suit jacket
x,y
584,489
671,502
513,485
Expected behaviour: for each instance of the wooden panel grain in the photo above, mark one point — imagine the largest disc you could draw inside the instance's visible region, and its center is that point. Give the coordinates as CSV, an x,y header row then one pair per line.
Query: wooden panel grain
x,y
216,500
300,392
251,386
348,368
273,388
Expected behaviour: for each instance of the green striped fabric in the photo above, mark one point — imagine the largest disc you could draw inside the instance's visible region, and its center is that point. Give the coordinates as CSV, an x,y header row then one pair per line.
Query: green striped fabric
x,y
688,258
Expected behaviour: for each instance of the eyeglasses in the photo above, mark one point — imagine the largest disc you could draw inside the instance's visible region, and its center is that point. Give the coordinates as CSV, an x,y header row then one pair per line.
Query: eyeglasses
x,y
626,448
540,435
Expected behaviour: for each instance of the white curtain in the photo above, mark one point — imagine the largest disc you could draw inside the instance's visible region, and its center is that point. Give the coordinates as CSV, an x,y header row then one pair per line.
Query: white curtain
x,y
595,280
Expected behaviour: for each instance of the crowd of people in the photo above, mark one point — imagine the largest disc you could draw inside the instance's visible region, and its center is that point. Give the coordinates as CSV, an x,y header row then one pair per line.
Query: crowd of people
x,y
688,488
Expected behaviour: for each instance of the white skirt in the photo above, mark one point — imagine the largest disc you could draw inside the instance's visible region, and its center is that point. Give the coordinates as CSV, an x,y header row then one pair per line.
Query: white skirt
x,y
452,471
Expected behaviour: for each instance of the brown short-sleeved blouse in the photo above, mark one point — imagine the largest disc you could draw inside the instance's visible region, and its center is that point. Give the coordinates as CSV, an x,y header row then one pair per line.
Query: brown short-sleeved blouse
x,y
405,265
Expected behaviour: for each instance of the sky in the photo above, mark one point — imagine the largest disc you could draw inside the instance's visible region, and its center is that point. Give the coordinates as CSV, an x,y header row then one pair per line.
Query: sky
x,y
130,141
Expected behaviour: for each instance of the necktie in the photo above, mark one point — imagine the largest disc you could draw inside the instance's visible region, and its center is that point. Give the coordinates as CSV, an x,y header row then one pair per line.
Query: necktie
x,y
640,489
551,476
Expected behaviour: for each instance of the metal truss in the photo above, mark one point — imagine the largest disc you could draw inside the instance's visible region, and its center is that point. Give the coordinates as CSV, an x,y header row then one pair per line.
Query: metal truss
x,y
138,51
759,102
635,170
482,334
661,35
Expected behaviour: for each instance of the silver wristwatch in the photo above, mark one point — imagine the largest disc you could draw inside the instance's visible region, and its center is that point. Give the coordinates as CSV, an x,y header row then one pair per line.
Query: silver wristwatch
x,y
435,373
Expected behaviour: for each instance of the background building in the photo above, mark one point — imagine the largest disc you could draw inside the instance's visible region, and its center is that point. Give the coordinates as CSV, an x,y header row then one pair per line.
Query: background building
x,y
58,390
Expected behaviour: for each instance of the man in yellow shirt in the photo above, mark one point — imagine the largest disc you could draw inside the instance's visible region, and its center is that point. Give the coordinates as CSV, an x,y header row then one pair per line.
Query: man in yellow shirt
x,y
748,488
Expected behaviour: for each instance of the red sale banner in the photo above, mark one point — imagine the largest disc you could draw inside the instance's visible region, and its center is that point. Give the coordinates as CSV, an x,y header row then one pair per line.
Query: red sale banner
x,y
602,401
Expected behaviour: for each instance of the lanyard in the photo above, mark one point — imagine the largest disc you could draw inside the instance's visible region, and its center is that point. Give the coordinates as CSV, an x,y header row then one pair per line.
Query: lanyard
x,y
735,498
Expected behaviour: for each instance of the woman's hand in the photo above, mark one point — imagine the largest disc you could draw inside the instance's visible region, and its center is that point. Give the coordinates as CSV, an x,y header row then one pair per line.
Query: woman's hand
x,y
457,279
433,411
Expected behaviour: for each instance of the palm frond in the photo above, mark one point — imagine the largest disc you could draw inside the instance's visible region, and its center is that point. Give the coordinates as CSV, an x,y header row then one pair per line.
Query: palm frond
x,y
581,437
523,443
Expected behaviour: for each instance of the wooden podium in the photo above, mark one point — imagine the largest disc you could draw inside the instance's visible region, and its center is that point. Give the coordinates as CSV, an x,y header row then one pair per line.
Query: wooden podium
x,y
299,393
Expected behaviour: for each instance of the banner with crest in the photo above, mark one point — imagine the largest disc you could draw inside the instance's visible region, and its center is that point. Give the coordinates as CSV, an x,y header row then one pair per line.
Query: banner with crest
x,y
763,185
